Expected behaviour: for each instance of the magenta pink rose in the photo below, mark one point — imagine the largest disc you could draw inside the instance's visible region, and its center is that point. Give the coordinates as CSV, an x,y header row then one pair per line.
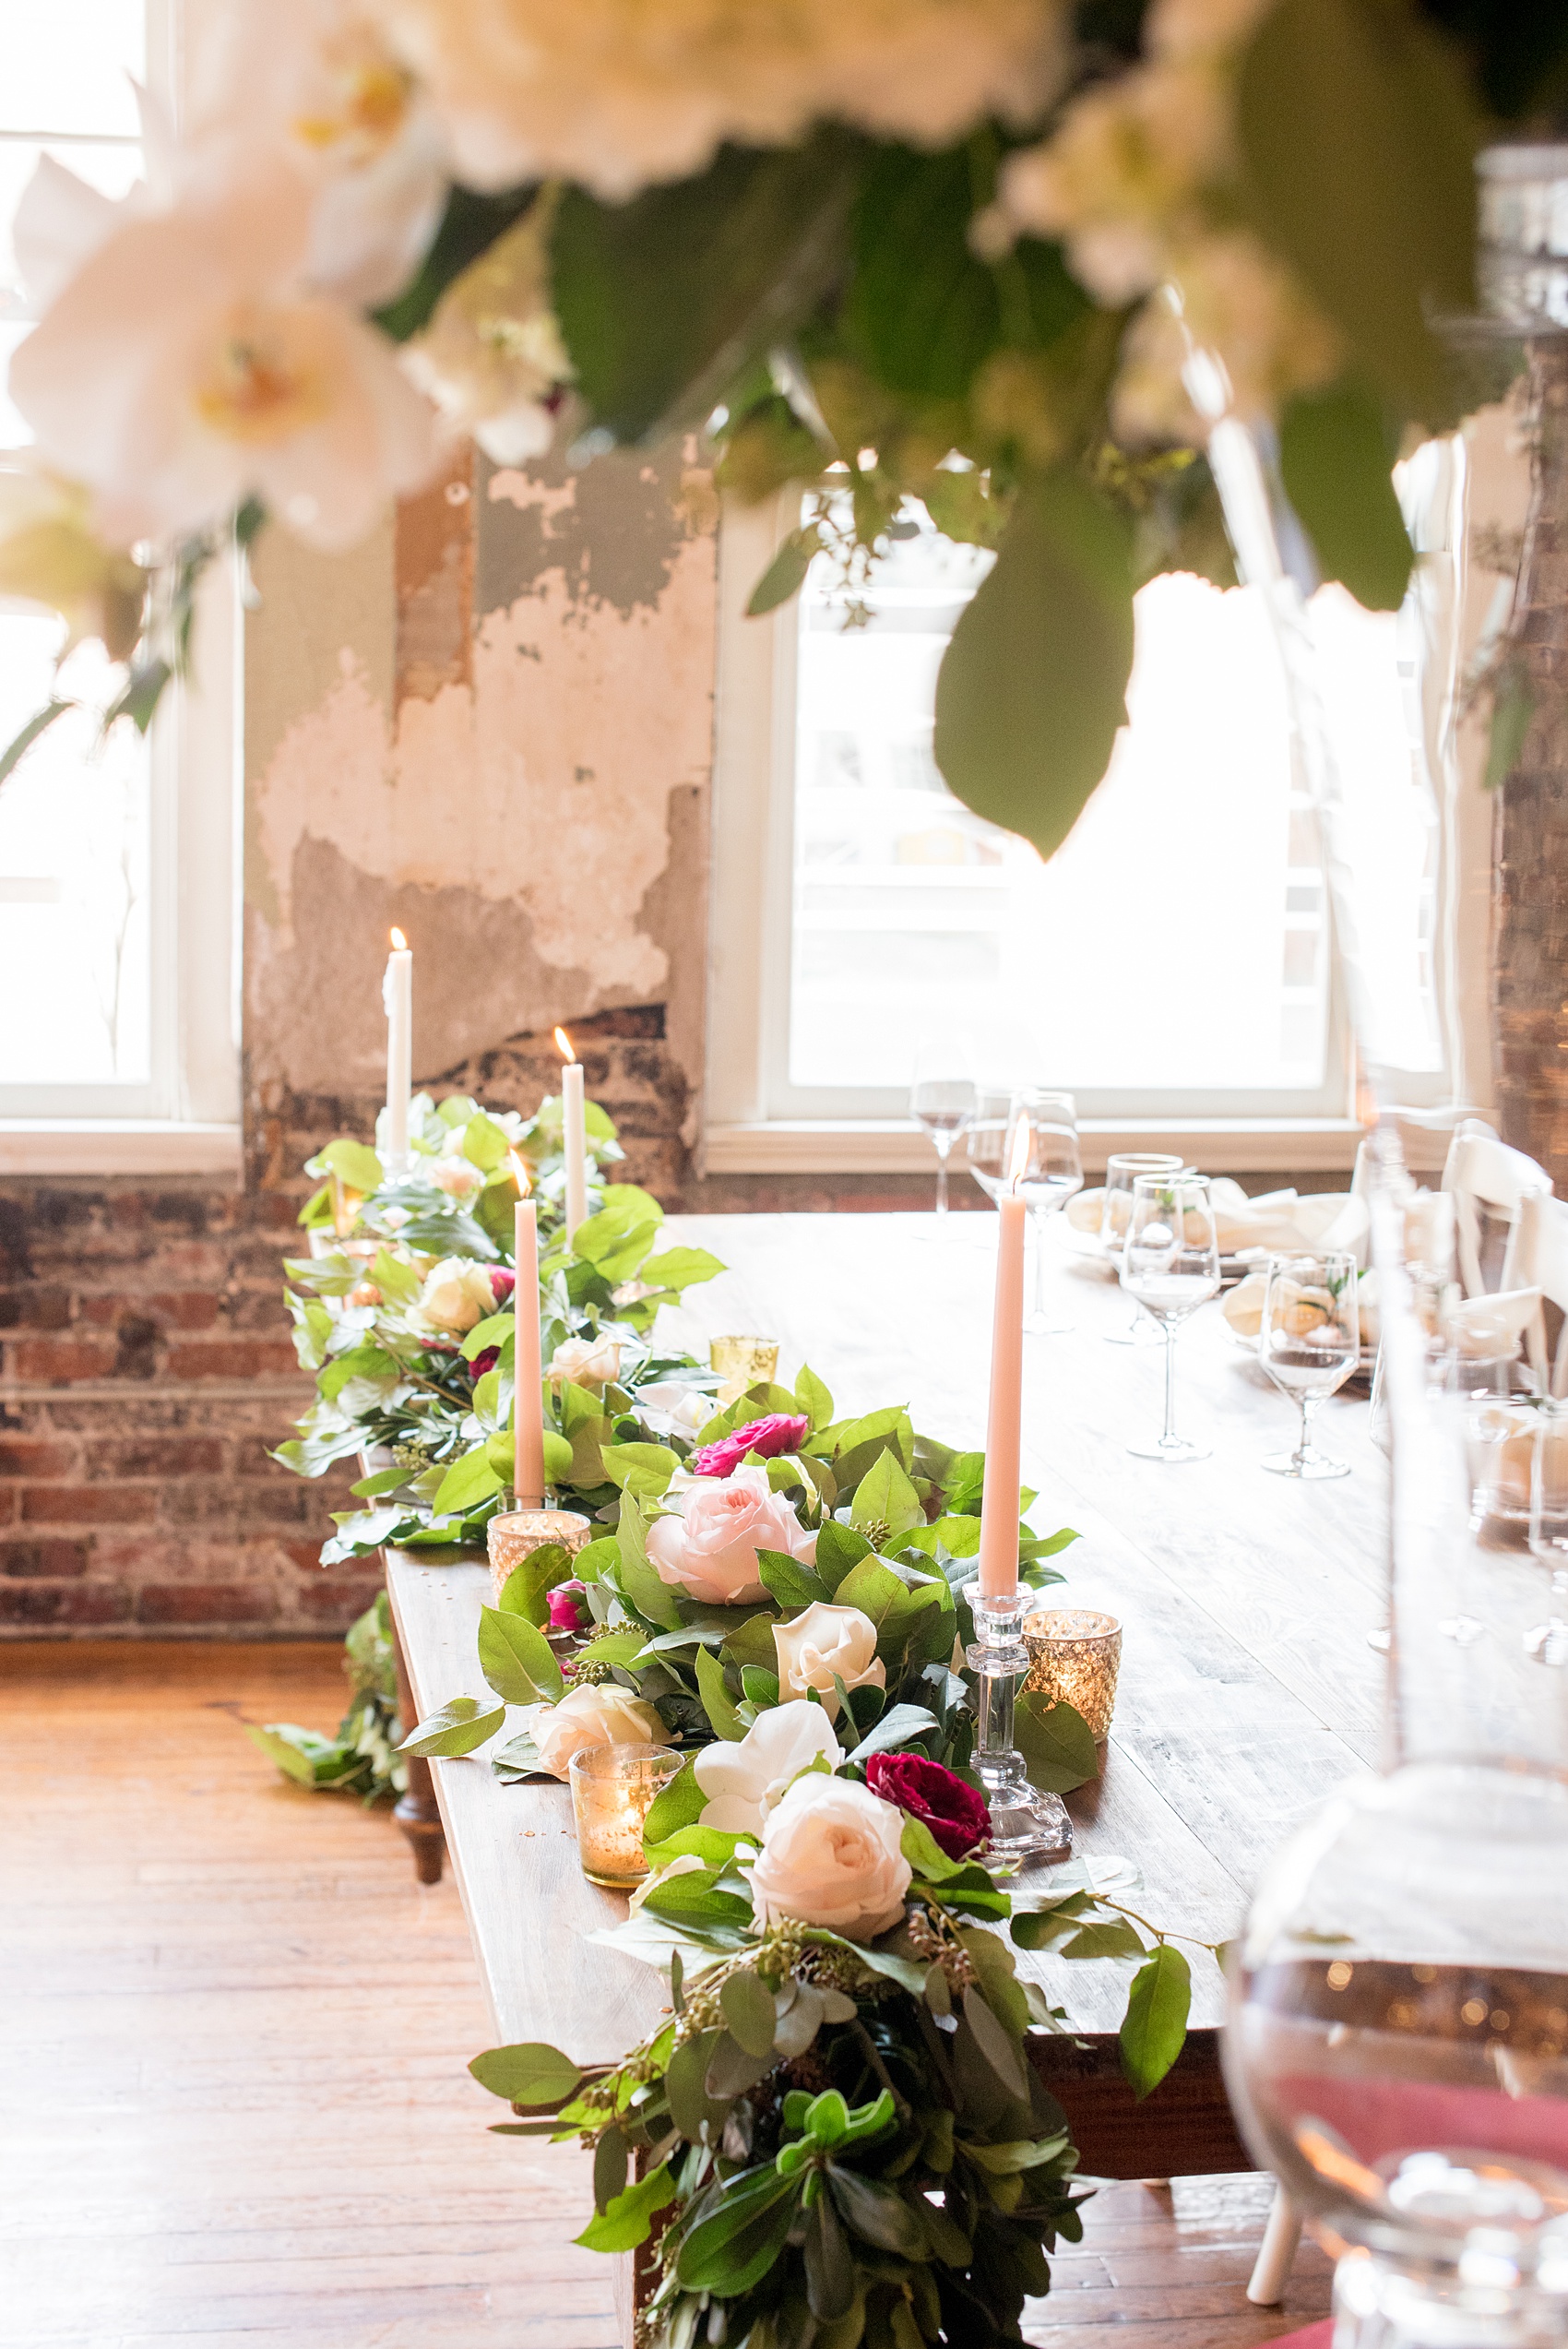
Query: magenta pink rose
x,y
568,1607
779,1433
502,1282
711,1549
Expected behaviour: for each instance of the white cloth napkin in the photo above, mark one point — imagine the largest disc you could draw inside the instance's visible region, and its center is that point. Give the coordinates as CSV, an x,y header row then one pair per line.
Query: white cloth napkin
x,y
1487,1328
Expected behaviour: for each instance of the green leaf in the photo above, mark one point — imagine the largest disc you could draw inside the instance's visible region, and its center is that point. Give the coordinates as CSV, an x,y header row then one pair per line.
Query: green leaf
x,y
559,1458
1336,464
996,2044
1110,1937
717,1703
923,1852
398,1282
641,1468
736,2246
652,1597
793,1583
355,1163
676,1805
1155,2022
876,2212
830,2271
1356,132
1033,687
20,743
530,2073
494,1330
681,1269
611,2161
628,2220
884,1497
526,1589
749,2011
1042,1928
1056,1742
484,1145
786,575
467,1483
372,1363
813,1398
459,1726
297,1752
902,1725
663,300
516,1658
1512,707
839,1547
759,1687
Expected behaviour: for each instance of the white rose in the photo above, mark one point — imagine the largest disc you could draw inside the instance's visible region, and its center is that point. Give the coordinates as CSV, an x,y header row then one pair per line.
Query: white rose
x,y
670,1408
456,1177
830,1855
456,1294
746,1781
598,1715
709,1548
825,1641
585,1361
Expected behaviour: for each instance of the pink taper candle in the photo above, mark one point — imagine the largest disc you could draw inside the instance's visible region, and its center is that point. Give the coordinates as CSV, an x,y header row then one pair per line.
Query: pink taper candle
x,y
527,1424
999,1511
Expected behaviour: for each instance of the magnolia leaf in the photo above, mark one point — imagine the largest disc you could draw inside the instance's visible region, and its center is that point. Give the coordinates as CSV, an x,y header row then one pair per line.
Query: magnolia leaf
x,y
886,1499
467,1483
516,1658
1109,1937
652,1596
793,1583
459,1726
484,1144
680,1269
785,575
559,1458
1033,685
526,1588
995,2044
1335,465
839,1547
628,2220
1056,1742
903,1725
611,2161
813,1398
530,2073
1155,2022
750,2012
678,1805
494,1330
1356,132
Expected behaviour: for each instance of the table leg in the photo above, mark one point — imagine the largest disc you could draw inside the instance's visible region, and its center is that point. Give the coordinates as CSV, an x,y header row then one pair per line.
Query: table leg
x,y
417,1813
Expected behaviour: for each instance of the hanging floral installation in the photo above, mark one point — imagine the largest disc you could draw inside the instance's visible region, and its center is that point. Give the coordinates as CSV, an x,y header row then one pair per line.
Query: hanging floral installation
x,y
1007,259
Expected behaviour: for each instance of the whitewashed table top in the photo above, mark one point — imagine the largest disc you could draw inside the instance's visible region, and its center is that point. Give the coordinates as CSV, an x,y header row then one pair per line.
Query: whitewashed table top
x,y
1248,1690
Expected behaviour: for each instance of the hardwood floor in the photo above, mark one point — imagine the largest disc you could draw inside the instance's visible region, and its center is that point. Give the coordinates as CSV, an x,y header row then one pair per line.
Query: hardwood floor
x,y
233,2033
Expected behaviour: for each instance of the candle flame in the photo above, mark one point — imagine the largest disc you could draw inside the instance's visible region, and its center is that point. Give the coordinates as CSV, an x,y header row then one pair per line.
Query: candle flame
x,y
520,1175
563,1044
1021,1152
399,943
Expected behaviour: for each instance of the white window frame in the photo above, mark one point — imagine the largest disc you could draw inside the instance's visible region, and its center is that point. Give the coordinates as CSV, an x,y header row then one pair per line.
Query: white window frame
x,y
754,1122
186,1118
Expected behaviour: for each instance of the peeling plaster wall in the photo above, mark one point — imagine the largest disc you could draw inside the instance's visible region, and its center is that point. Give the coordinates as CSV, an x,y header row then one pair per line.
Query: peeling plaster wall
x,y
492,726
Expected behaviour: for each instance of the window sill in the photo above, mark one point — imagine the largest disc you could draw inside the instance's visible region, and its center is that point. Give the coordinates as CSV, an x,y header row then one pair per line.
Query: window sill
x,y
1220,1145
105,1145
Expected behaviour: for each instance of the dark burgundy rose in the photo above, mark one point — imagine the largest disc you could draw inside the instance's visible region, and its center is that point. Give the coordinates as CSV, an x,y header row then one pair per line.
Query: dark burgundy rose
x,y
779,1432
502,1282
955,1816
569,1608
485,1360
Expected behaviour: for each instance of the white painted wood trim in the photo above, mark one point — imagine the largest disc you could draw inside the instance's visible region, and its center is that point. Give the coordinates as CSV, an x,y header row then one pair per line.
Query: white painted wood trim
x,y
1220,1146
105,1145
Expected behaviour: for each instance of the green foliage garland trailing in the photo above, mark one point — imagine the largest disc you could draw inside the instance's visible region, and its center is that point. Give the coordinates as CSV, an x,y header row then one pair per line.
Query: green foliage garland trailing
x,y
361,1759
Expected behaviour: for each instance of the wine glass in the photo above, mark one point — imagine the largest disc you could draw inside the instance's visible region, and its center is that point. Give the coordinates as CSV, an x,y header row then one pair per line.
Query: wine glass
x,y
985,1139
1121,1171
942,1101
1048,1172
1308,1344
1548,1641
1171,1263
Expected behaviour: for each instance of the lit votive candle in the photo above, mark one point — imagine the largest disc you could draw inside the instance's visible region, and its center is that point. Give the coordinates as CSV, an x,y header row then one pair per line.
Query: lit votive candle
x,y
742,1362
1075,1655
613,1791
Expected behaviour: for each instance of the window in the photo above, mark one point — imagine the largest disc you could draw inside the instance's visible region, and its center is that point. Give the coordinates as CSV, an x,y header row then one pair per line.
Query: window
x,y
117,862
1171,965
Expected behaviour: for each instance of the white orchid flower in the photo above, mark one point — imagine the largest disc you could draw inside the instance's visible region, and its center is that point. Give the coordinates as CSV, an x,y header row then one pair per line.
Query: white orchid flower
x,y
492,355
181,370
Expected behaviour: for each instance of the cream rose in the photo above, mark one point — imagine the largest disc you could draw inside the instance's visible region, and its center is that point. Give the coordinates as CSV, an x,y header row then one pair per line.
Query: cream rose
x,y
830,1856
709,1549
456,1294
747,1780
585,1361
456,1177
825,1641
593,1716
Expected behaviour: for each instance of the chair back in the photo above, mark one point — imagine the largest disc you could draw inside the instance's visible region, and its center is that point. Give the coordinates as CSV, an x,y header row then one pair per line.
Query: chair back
x,y
1484,1173
1540,1261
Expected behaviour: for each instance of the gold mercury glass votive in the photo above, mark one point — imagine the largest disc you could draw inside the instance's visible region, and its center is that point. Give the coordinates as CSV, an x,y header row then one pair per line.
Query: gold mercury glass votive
x,y
613,1791
517,1532
1075,1653
740,1363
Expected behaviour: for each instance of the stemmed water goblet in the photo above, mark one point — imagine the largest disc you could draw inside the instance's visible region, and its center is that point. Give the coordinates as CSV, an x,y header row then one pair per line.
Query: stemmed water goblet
x,y
1309,1344
1171,1264
985,1139
1548,1641
1121,1171
1049,1172
942,1101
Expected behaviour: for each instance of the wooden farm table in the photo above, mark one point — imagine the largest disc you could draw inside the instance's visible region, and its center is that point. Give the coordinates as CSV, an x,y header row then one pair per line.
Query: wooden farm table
x,y
1248,1687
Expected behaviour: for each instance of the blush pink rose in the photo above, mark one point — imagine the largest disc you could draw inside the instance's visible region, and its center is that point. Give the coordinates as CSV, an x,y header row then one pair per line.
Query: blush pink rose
x,y
710,1550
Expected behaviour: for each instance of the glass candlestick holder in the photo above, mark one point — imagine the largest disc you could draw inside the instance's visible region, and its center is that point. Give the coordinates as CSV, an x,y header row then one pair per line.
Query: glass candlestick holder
x,y
1024,1823
613,1789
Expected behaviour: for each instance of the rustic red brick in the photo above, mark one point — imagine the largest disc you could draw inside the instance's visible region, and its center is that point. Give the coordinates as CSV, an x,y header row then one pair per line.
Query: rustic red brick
x,y
159,1456
35,1307
68,1606
34,1456
58,1361
231,1358
306,1555
335,1602
49,1560
204,1602
113,1504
